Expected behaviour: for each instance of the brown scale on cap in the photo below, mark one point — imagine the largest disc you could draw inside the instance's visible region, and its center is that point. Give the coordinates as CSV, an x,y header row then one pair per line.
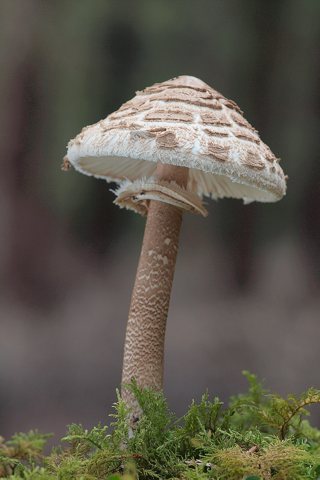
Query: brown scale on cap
x,y
157,129
134,107
167,140
242,122
184,83
252,160
185,97
123,114
133,103
218,152
164,137
121,126
270,157
160,87
231,104
209,118
215,133
248,136
202,94
169,116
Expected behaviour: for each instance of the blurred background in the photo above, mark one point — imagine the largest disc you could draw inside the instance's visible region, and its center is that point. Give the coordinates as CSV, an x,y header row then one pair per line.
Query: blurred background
x,y
247,286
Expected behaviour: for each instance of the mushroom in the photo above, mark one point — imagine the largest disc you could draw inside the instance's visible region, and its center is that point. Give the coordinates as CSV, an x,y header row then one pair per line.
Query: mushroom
x,y
169,146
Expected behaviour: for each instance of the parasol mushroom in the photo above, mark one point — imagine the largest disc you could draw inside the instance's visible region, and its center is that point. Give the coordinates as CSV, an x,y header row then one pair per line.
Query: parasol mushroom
x,y
169,146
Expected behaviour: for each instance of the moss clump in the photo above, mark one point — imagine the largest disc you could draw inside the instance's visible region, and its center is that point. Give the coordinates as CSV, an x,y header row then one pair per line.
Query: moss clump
x,y
258,436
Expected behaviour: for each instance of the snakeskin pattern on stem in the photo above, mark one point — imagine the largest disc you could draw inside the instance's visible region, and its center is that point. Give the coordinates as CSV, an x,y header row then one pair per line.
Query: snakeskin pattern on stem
x,y
144,345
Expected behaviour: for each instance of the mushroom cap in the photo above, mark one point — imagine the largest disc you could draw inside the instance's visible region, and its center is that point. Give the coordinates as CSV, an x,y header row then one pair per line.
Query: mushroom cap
x,y
183,122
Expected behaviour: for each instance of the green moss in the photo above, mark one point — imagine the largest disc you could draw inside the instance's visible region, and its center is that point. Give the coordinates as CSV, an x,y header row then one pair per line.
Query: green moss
x,y
258,436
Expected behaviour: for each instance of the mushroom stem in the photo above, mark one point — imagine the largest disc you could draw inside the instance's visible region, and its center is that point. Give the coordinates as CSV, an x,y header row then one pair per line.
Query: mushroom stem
x,y
145,335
